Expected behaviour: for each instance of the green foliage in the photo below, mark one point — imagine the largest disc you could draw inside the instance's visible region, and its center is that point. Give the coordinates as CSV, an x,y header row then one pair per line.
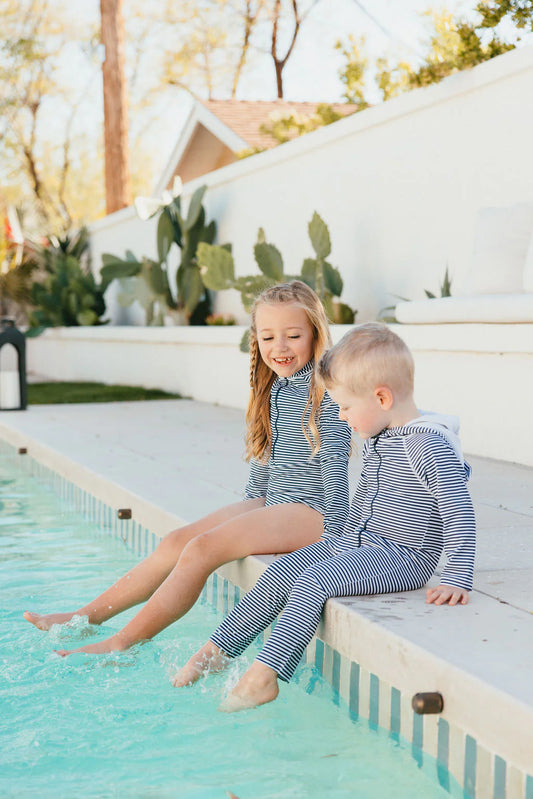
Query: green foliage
x,y
68,393
352,73
16,275
454,44
65,293
520,12
283,128
445,291
218,271
147,282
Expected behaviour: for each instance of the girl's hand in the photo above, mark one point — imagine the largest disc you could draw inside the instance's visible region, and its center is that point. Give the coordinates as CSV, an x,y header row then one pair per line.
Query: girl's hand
x,y
443,594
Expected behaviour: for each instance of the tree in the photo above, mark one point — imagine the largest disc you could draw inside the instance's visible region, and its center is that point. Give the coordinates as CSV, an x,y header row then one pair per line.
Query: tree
x,y
43,151
520,12
117,175
283,128
352,74
454,45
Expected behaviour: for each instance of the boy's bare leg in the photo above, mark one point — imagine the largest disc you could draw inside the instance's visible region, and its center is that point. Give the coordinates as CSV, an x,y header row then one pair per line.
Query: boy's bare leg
x,y
278,528
257,686
140,582
209,658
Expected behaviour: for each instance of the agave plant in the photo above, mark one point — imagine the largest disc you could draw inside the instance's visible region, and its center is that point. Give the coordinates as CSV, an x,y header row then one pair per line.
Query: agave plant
x,y
65,292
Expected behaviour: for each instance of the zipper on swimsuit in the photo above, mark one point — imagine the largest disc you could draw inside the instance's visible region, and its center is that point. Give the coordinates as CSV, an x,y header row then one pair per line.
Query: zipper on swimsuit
x,y
363,528
275,433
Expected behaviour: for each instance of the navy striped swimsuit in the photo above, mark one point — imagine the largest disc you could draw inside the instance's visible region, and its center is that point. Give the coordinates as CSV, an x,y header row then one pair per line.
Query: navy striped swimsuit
x,y
411,503
291,474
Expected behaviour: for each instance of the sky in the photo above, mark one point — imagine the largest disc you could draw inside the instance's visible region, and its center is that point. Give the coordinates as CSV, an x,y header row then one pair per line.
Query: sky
x,y
396,27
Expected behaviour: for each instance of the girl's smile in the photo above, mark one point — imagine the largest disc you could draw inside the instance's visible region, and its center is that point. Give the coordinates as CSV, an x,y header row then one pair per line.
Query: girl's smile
x,y
284,336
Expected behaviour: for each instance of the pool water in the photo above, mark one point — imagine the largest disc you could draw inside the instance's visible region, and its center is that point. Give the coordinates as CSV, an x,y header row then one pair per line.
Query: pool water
x,y
113,725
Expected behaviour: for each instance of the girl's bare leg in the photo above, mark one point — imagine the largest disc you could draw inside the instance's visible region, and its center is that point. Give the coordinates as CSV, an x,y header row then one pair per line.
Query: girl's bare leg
x,y
140,582
278,528
257,686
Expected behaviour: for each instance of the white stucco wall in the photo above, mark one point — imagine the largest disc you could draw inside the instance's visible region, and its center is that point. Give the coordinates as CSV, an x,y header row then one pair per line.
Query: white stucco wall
x,y
482,373
399,186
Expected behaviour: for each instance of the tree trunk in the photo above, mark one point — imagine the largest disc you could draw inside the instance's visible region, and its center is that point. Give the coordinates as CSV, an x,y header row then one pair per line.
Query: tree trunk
x,y
117,175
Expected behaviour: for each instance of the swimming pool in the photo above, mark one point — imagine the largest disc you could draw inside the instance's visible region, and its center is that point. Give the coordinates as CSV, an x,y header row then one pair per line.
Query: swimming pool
x,y
113,726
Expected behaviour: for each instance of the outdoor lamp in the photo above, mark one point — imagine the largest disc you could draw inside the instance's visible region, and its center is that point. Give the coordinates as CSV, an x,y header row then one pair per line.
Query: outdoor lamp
x,y
13,393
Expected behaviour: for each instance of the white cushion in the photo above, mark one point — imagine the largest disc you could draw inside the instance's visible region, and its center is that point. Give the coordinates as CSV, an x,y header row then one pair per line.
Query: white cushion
x,y
490,308
528,268
501,243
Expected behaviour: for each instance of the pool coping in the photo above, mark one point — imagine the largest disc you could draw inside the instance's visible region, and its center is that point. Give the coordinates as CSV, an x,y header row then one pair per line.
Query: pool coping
x,y
485,763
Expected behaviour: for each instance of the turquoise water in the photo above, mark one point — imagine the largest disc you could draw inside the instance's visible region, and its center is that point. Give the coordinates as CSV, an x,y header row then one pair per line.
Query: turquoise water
x,y
113,726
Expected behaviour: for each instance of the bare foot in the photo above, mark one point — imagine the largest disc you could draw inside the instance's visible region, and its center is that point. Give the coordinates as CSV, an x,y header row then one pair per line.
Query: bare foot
x,y
113,644
208,658
257,686
45,621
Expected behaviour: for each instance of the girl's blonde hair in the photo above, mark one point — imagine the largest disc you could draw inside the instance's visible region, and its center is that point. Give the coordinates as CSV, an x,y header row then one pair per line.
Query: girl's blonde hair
x,y
259,433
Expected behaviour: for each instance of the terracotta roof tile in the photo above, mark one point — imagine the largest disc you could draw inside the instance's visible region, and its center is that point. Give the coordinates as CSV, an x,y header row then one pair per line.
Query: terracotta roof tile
x,y
246,117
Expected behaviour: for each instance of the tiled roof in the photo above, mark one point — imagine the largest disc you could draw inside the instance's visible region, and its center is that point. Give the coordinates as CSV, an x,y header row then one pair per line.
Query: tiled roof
x,y
246,117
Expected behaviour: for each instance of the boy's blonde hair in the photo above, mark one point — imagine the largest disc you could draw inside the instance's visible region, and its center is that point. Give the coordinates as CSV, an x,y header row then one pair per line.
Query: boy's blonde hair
x,y
259,433
368,356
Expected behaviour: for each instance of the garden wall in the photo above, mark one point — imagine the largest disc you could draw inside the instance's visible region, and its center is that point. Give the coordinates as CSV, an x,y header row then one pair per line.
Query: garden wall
x,y
399,185
482,373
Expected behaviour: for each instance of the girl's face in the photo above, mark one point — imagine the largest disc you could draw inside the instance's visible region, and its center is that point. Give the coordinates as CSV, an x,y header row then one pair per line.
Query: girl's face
x,y
284,336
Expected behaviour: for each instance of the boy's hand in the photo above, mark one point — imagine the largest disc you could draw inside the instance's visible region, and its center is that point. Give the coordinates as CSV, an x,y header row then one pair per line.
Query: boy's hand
x,y
443,594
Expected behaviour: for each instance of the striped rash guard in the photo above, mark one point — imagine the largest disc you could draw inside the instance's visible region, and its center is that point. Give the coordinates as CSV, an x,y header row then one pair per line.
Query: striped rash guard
x,y
291,474
412,491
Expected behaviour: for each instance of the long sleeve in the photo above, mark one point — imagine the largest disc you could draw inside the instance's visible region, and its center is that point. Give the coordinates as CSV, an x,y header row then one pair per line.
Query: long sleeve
x,y
441,472
334,453
257,480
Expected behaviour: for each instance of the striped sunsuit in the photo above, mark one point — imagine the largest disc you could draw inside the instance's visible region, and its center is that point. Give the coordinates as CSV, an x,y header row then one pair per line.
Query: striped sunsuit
x,y
291,474
410,504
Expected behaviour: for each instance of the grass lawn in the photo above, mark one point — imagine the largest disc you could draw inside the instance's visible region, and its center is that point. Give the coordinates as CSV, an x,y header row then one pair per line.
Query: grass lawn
x,y
55,393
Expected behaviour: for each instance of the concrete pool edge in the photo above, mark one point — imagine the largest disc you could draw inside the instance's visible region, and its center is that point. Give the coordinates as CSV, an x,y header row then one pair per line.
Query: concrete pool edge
x,y
473,739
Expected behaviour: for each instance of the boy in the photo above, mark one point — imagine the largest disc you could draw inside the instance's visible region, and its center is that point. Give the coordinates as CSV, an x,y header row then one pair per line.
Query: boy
x,y
411,502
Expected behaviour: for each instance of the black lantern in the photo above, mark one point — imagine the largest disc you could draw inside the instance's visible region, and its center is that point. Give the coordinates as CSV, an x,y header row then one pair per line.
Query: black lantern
x,y
9,396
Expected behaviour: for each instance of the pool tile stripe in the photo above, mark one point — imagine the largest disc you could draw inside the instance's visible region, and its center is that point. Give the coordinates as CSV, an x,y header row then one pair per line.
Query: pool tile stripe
x,y
470,767
395,714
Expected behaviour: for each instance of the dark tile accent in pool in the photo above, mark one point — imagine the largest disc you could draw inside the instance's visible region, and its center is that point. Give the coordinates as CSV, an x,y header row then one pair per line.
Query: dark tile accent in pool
x,y
395,713
500,775
236,595
319,655
470,766
529,787
443,753
225,597
336,674
353,702
373,710
418,738
214,591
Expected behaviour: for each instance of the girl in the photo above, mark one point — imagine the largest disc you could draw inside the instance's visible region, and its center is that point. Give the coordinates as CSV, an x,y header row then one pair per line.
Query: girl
x,y
292,487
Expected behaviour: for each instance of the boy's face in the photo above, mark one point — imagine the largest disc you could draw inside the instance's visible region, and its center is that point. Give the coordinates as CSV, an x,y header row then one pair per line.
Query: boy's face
x,y
364,413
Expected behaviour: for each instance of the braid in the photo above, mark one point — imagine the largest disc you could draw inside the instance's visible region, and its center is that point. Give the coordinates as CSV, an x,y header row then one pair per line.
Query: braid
x,y
253,356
